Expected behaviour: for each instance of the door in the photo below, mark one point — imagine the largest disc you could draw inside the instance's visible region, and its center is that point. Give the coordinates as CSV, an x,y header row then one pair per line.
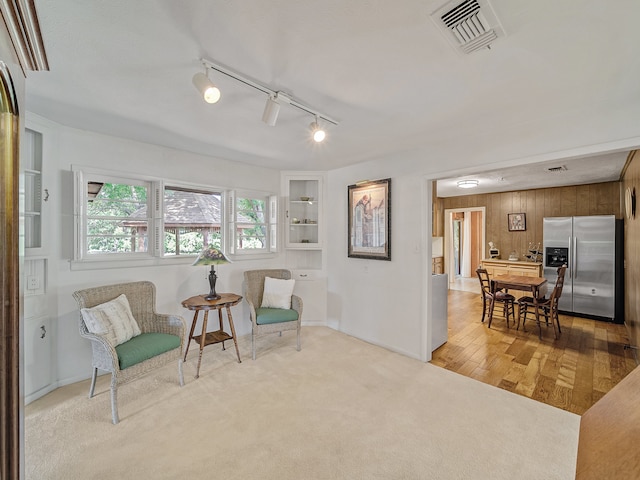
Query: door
x,y
464,246
594,265
557,232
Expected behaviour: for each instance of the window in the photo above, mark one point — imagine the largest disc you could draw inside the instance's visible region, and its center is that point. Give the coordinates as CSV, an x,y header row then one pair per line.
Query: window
x,y
249,223
115,219
192,219
149,220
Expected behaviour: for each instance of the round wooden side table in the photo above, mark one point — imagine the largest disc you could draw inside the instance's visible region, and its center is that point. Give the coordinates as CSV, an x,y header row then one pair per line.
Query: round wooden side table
x,y
197,304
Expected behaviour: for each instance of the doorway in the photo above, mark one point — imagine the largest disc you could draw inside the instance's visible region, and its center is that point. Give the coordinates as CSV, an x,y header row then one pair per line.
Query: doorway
x,y
464,242
10,346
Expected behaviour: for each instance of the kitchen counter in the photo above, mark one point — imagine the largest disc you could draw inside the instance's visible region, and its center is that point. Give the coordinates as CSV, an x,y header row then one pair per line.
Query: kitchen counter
x,y
512,262
495,266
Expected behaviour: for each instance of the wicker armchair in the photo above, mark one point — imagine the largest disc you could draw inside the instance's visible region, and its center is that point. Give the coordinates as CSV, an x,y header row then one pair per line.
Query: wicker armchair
x,y
142,299
253,290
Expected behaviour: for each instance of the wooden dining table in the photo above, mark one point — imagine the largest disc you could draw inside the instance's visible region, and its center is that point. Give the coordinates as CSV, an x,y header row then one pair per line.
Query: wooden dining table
x,y
518,282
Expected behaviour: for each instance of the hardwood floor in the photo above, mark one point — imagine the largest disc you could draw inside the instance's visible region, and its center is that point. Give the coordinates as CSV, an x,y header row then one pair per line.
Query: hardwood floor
x,y
570,373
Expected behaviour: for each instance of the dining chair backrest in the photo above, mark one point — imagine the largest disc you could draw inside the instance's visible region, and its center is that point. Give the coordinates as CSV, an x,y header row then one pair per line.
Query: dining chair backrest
x,y
557,289
485,282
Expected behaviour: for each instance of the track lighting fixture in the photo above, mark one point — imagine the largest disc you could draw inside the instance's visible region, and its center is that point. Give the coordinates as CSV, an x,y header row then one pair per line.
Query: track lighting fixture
x,y
274,101
207,89
317,132
271,110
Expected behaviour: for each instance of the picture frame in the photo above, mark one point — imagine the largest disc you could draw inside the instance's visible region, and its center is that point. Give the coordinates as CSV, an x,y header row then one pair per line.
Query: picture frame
x,y
517,222
369,220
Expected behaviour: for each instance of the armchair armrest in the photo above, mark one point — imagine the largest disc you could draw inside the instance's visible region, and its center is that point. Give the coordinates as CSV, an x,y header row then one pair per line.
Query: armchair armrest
x,y
296,304
104,356
172,324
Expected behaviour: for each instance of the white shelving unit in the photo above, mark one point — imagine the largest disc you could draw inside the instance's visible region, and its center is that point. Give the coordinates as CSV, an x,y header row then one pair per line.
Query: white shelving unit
x,y
40,355
303,212
31,159
304,225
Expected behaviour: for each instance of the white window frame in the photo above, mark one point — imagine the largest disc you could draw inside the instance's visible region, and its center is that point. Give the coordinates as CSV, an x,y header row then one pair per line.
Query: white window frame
x,y
82,177
270,223
159,213
155,254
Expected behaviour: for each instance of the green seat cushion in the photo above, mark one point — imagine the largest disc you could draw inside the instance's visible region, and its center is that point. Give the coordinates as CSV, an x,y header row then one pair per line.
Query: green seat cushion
x,y
145,346
275,315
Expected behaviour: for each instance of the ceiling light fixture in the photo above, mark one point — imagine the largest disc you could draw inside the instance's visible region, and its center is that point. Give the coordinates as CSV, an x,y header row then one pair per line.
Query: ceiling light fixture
x,y
271,111
207,89
275,98
317,131
468,183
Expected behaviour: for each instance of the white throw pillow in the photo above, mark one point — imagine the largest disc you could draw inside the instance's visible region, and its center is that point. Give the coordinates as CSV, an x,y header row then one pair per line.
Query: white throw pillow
x,y
113,319
277,293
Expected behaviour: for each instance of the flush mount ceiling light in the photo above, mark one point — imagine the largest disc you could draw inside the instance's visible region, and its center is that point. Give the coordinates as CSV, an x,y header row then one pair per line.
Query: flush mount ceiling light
x,y
207,89
468,183
317,132
275,98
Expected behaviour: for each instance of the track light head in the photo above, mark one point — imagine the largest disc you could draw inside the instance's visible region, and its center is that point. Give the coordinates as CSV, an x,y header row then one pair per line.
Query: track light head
x,y
271,111
317,132
207,89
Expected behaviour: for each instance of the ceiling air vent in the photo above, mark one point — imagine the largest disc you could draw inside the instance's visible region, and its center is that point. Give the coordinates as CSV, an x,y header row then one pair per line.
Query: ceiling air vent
x,y
561,168
470,25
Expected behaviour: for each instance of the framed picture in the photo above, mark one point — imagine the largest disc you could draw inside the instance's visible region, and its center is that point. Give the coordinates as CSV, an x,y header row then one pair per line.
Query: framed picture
x,y
369,228
517,222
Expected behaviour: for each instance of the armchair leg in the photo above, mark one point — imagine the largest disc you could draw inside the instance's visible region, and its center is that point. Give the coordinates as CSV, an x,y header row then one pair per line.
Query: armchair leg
x,y
253,346
180,374
92,388
298,346
114,404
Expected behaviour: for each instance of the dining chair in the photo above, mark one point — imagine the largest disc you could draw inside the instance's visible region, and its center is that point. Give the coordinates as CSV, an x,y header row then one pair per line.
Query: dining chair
x,y
489,297
547,307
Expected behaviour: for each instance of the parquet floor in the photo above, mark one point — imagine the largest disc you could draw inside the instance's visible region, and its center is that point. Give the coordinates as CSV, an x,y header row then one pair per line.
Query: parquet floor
x,y
570,373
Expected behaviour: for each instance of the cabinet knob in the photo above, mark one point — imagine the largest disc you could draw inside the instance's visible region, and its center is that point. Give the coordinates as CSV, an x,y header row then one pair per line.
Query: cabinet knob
x,y
43,331
46,194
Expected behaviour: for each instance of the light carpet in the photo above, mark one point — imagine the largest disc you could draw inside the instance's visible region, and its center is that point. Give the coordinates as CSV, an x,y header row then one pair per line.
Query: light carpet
x,y
338,409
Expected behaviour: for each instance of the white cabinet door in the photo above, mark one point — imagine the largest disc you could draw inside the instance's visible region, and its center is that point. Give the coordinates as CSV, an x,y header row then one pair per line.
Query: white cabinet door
x,y
37,357
312,288
303,219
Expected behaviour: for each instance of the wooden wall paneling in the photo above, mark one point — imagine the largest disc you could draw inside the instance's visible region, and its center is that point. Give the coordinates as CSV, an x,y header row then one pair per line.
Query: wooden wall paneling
x,y
568,201
476,238
631,179
537,204
553,206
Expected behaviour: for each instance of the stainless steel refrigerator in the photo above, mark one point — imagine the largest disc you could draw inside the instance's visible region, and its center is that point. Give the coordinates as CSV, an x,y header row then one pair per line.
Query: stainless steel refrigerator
x,y
591,246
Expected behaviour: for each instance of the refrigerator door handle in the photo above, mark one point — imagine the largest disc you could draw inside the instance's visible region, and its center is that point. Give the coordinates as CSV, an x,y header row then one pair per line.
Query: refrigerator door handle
x,y
575,257
570,259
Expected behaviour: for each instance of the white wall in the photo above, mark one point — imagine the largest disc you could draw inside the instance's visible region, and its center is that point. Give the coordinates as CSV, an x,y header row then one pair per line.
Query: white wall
x,y
174,283
381,302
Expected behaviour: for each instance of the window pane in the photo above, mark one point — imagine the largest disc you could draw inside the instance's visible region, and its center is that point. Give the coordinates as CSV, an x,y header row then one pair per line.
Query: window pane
x,y
252,241
251,229
192,220
104,226
117,243
116,220
250,210
110,207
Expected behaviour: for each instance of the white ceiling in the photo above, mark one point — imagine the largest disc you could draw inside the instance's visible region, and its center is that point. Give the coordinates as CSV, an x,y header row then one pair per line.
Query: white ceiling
x,y
381,68
575,171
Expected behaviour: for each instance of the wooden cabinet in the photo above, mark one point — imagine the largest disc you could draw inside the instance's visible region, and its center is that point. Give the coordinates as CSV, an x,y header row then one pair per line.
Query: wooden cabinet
x,y
437,265
506,267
